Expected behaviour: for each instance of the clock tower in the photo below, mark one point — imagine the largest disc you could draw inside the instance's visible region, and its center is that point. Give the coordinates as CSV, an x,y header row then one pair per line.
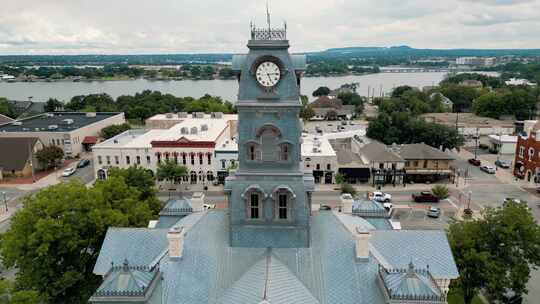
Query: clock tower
x,y
269,195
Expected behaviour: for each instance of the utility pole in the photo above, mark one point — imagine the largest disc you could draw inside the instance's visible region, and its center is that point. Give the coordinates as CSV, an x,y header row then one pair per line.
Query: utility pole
x,y
5,200
476,146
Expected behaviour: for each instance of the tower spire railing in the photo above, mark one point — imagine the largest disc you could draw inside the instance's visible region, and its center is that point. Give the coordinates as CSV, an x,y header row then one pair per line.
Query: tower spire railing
x,y
269,33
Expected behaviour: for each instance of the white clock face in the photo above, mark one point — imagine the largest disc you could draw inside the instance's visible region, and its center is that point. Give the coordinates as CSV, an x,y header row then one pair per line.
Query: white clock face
x,y
268,74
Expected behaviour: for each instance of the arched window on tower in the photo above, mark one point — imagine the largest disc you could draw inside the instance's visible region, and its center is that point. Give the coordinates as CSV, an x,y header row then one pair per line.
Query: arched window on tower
x,y
254,211
284,152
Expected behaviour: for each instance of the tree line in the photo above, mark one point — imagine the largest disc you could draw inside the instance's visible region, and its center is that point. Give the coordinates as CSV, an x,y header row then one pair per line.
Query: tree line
x,y
142,105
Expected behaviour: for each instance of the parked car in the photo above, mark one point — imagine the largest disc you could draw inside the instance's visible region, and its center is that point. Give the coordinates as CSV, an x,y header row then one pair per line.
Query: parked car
x,y
502,164
69,171
341,128
379,196
330,125
425,197
209,206
488,169
434,212
83,163
388,206
343,122
475,162
325,207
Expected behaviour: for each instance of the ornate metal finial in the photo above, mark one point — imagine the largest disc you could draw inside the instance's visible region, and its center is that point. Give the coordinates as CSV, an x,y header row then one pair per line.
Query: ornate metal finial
x,y
268,17
410,271
125,266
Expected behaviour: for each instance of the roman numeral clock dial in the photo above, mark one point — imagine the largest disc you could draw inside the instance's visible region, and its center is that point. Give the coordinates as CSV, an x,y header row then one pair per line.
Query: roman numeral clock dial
x,y
268,74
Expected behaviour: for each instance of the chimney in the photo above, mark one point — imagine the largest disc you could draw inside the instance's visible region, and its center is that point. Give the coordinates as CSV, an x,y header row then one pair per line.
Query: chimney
x,y
197,202
175,236
362,244
346,203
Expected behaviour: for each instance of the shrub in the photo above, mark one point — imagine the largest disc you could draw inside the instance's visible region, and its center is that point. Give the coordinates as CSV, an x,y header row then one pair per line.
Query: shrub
x,y
440,191
347,188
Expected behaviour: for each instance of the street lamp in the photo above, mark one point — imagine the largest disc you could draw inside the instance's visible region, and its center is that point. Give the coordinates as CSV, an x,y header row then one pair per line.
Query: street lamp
x,y
5,200
469,201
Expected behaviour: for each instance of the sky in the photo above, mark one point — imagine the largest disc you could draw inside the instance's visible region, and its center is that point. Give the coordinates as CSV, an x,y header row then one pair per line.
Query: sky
x,y
214,26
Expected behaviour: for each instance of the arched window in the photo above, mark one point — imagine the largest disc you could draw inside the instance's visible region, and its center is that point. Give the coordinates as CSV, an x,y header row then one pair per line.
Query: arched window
x,y
253,151
328,167
283,206
209,156
184,161
283,201
284,152
269,139
167,156
200,158
209,176
254,211
223,164
531,153
192,156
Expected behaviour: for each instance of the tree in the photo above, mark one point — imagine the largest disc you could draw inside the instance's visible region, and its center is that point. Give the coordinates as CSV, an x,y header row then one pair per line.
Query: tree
x,y
49,156
113,130
170,171
307,111
321,91
53,105
55,239
398,91
7,108
9,295
340,178
440,191
348,188
497,252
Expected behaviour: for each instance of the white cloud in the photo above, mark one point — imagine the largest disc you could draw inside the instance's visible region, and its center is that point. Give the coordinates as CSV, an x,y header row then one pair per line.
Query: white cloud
x,y
173,26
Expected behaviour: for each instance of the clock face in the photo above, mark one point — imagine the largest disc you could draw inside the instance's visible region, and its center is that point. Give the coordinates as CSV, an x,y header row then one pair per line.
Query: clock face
x,y
268,74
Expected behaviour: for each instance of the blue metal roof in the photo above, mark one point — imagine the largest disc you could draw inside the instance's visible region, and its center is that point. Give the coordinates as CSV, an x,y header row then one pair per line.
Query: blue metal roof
x,y
210,271
425,248
410,283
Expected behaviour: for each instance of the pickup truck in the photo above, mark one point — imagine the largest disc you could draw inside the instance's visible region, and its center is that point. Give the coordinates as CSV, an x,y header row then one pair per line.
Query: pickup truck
x,y
425,197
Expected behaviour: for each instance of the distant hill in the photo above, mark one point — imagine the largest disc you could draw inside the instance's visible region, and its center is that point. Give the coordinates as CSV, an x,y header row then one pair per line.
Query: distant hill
x,y
408,51
394,52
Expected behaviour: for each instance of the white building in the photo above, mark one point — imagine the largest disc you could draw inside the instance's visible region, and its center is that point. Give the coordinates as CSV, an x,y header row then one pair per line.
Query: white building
x,y
506,144
319,156
191,143
476,61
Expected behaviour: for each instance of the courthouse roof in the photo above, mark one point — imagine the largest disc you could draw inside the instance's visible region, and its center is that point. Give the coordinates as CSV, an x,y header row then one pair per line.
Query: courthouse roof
x,y
210,271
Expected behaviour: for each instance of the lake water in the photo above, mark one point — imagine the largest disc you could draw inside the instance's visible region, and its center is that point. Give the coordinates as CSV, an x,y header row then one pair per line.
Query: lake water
x,y
227,89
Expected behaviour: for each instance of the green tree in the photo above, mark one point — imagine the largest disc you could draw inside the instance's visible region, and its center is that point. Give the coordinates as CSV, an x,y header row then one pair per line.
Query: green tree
x,y
9,295
49,156
348,188
52,105
340,178
143,180
170,171
113,130
321,91
440,191
399,91
497,252
7,108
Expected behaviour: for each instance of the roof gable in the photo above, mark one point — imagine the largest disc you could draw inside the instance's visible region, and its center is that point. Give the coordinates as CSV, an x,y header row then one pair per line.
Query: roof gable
x,y
16,152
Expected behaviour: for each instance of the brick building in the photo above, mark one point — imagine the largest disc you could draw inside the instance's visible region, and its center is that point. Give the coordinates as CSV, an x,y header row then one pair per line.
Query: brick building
x,y
527,159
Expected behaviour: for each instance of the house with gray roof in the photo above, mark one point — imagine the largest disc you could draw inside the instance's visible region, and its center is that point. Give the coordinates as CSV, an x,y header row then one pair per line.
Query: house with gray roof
x,y
425,163
17,157
268,246
5,119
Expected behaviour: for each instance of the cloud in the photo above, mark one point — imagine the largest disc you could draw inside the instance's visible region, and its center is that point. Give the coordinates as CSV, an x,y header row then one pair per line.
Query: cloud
x,y
172,26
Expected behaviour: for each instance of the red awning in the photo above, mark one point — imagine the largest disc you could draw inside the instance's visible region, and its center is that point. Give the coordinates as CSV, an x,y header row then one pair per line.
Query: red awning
x,y
92,140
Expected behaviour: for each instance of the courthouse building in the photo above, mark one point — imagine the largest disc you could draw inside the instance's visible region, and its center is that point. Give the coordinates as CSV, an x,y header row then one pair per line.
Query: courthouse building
x,y
269,246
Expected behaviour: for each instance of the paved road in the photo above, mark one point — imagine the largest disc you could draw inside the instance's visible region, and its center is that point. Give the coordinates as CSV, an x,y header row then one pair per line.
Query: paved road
x,y
86,174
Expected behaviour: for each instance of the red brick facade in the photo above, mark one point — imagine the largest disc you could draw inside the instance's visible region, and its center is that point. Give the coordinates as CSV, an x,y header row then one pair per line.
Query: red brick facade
x,y
527,159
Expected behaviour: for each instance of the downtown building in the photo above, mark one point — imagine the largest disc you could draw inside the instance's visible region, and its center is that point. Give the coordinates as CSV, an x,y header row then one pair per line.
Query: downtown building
x,y
190,140
270,246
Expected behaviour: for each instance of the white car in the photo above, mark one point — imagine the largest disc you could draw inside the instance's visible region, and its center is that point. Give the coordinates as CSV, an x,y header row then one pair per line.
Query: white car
x,y
69,171
388,206
379,196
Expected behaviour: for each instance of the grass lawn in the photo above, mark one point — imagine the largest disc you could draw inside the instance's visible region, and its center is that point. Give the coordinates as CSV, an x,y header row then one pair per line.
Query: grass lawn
x,y
455,296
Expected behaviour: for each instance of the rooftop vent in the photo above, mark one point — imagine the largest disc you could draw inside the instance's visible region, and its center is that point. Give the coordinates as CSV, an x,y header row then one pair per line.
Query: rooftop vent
x,y
169,115
194,130
115,141
204,127
217,115
198,115
182,115
91,114
52,127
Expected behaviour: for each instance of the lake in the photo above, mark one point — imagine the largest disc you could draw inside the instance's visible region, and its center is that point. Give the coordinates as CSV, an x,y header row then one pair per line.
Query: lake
x,y
227,89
